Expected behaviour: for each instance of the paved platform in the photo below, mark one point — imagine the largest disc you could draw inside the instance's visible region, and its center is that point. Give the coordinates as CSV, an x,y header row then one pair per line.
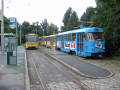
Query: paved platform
x,y
12,77
79,65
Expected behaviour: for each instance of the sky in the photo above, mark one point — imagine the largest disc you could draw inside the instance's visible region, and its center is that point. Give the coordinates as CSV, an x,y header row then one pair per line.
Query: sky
x,y
38,10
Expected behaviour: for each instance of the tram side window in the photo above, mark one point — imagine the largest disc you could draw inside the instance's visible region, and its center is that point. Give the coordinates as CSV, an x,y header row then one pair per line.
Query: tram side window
x,y
58,38
73,36
54,39
69,37
51,38
44,39
48,39
66,37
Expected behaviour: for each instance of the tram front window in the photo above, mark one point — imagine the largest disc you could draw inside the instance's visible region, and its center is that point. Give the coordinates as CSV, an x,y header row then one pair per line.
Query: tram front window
x,y
95,36
31,39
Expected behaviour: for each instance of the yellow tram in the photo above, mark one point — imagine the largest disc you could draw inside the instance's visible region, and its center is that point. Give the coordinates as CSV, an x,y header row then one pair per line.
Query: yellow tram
x,y
32,41
49,41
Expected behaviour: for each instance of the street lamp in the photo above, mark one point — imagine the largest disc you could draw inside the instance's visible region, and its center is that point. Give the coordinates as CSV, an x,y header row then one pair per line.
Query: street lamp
x,y
20,35
2,25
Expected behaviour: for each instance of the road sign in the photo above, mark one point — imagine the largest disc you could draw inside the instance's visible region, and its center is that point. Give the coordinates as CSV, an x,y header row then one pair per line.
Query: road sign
x,y
12,20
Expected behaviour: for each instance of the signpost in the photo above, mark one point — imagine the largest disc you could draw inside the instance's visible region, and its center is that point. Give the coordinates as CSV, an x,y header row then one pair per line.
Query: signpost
x,y
12,43
12,20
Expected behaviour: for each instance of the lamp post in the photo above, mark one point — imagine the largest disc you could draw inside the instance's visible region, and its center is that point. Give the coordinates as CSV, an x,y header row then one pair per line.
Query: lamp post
x,y
20,35
2,25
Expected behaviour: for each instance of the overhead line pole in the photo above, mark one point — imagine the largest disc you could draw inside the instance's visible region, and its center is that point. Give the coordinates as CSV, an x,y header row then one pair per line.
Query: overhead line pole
x,y
2,25
20,34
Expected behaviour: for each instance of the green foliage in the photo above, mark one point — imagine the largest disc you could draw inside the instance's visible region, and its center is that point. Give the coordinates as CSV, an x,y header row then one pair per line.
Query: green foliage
x,y
67,16
73,21
5,25
44,26
70,20
52,29
89,17
116,58
48,29
26,27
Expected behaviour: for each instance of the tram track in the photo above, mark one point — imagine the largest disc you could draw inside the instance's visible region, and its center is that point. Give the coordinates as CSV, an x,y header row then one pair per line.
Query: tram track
x,y
46,77
36,77
70,73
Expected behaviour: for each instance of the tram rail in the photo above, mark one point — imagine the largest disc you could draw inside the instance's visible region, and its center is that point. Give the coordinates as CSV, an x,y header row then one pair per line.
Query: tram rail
x,y
42,83
70,74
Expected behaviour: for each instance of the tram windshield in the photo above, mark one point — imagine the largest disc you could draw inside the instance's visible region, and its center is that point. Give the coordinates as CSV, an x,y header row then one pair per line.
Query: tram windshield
x,y
31,39
95,36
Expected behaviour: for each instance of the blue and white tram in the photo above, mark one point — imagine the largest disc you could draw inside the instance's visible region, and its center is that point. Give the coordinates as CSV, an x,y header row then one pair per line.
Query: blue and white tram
x,y
83,41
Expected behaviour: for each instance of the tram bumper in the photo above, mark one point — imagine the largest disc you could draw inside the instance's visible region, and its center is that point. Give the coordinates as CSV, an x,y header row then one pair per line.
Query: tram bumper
x,y
100,55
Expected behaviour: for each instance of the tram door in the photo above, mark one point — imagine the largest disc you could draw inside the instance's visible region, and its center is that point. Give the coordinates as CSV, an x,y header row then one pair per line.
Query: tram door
x,y
80,42
62,37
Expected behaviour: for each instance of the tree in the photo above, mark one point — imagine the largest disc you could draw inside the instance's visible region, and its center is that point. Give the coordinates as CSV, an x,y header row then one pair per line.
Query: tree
x,y
44,26
39,31
26,27
52,29
73,21
67,16
5,25
89,17
70,20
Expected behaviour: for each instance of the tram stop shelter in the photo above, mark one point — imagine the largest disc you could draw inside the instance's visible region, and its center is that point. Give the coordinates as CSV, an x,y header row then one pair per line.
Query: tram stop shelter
x,y
12,51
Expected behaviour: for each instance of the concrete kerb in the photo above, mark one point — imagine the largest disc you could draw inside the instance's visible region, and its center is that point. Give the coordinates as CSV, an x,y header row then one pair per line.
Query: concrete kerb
x,y
76,70
27,81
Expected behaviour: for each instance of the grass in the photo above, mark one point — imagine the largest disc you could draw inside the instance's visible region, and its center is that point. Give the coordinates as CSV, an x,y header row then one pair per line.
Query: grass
x,y
116,58
107,61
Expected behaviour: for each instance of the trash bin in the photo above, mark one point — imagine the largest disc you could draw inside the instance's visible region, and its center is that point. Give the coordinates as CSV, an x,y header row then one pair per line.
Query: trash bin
x,y
9,54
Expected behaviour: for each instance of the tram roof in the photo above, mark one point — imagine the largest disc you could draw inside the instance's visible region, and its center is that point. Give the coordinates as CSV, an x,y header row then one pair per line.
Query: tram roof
x,y
49,36
31,34
89,29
